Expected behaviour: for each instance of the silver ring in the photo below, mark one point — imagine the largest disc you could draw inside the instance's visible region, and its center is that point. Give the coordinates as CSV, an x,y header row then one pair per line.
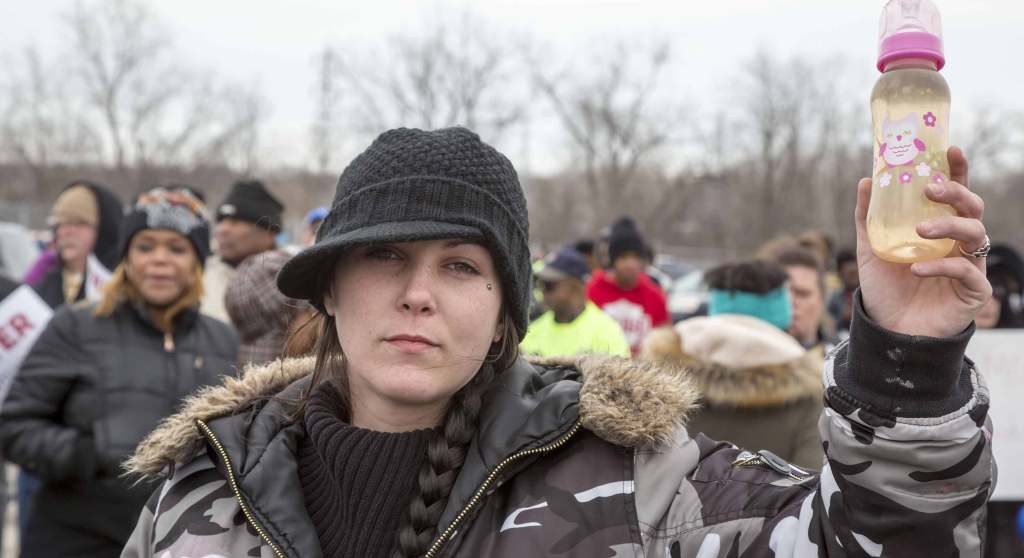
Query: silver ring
x,y
980,252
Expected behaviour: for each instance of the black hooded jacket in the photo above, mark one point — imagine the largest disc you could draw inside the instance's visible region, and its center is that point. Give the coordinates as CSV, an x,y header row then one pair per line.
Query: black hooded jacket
x,y
89,390
111,212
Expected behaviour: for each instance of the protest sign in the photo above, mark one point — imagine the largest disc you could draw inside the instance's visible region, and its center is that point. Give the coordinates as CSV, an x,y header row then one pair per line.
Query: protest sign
x,y
96,276
999,355
23,315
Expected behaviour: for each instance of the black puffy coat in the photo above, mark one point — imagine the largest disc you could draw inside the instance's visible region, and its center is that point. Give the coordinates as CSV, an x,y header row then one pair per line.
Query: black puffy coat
x,y
88,392
111,212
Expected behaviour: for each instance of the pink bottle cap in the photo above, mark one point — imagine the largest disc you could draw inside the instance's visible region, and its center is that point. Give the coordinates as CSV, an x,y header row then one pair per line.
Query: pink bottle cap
x,y
910,29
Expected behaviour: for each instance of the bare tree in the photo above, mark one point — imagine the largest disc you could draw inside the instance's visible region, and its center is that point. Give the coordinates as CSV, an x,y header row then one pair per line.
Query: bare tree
x,y
234,139
993,141
41,125
152,110
325,129
456,73
614,125
118,47
801,143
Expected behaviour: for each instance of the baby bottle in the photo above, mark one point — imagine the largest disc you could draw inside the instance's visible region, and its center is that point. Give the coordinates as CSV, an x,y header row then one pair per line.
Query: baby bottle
x,y
910,115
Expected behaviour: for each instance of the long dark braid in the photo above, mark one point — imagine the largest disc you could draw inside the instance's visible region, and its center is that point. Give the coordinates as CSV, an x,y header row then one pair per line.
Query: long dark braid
x,y
446,451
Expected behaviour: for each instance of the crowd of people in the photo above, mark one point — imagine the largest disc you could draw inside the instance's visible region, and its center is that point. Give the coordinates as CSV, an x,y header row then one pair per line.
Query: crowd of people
x,y
410,380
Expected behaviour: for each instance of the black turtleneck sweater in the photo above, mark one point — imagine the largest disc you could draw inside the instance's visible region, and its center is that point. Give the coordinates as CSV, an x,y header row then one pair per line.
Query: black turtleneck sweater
x,y
356,482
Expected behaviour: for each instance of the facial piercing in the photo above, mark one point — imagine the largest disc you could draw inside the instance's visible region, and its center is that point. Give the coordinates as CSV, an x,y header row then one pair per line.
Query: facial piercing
x,y
490,287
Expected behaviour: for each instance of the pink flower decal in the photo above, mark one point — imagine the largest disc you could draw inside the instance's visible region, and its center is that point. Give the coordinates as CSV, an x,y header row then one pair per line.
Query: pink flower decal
x,y
905,178
929,119
938,178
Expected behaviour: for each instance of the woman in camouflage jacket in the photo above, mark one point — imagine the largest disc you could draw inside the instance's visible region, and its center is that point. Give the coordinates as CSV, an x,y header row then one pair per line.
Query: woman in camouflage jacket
x,y
567,458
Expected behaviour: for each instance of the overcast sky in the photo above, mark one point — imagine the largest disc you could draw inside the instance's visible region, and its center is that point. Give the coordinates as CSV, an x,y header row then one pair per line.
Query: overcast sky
x,y
273,43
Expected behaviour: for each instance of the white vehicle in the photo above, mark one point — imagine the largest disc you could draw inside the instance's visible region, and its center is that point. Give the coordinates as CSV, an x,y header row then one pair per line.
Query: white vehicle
x,y
18,251
688,296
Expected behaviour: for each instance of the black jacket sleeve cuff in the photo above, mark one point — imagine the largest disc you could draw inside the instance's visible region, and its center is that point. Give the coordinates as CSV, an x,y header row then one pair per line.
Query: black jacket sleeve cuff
x,y
903,375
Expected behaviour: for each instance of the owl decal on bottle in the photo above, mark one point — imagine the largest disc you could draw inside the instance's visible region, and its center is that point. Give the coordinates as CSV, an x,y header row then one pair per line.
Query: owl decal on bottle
x,y
900,141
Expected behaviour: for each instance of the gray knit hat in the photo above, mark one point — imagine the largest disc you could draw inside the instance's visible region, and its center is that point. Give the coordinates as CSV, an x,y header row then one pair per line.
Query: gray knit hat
x,y
415,185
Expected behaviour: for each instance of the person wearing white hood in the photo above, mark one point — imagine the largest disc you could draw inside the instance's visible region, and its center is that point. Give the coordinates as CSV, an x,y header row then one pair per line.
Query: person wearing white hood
x,y
759,387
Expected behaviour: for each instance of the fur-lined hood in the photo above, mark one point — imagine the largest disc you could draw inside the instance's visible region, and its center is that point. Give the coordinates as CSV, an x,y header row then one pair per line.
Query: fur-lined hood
x,y
627,403
738,361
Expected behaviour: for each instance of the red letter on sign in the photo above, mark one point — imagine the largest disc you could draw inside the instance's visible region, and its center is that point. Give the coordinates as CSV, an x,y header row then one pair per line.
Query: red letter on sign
x,y
6,342
21,324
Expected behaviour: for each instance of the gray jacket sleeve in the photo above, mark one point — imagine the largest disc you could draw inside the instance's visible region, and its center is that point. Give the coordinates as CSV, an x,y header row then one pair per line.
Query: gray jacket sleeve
x,y
31,428
908,466
140,543
193,513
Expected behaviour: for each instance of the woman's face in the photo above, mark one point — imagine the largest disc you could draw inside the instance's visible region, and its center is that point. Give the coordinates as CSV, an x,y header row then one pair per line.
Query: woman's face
x,y
415,321
160,265
74,241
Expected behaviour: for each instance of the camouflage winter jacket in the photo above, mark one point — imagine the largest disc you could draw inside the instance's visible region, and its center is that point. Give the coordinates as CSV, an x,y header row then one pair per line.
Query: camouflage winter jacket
x,y
591,458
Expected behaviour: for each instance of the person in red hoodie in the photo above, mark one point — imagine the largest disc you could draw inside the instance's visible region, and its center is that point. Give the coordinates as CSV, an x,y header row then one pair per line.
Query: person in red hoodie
x,y
624,291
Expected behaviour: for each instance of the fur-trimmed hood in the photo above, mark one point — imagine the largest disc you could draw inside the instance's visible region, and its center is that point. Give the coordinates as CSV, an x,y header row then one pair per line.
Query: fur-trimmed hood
x,y
627,403
738,361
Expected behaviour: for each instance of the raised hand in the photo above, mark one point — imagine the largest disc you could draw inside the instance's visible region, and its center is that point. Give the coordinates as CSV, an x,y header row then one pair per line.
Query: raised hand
x,y
936,298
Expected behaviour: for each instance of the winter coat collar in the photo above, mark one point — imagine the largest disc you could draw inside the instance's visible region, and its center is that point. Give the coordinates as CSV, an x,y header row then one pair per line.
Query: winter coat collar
x,y
183,321
627,403
248,421
738,361
186,319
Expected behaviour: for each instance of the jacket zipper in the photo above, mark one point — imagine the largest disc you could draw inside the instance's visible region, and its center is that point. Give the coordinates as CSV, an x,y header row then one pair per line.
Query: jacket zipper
x,y
479,492
168,343
757,460
238,492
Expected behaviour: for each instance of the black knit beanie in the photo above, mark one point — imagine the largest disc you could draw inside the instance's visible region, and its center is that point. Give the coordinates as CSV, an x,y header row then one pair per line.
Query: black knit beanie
x,y
415,185
171,208
625,238
250,201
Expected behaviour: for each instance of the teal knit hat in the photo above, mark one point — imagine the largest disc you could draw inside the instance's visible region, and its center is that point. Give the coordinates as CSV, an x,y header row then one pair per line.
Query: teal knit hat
x,y
773,307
